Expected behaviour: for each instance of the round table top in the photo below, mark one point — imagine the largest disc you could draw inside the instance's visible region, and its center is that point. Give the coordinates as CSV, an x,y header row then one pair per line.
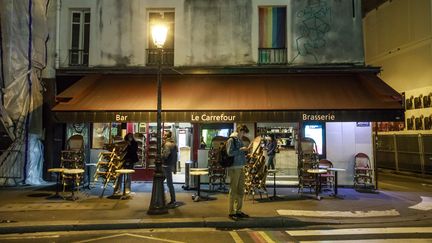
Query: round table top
x,y
317,171
197,173
198,169
125,171
73,171
336,169
272,171
56,170
323,167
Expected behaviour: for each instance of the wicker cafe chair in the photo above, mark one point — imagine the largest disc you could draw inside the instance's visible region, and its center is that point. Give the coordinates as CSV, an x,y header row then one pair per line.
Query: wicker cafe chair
x,y
308,159
328,178
363,173
73,156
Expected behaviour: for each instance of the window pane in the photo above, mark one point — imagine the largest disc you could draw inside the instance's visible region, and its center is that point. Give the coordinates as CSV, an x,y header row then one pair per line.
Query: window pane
x,y
86,36
87,18
75,36
74,57
76,17
100,134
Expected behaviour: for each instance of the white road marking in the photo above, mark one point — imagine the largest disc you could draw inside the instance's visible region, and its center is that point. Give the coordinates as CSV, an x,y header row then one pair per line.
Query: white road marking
x,y
339,214
236,237
265,237
361,231
127,234
29,237
374,241
425,204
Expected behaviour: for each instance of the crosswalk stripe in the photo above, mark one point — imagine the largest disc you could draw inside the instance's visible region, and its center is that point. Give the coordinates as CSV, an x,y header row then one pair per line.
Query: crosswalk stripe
x,y
374,241
339,214
266,237
399,230
236,237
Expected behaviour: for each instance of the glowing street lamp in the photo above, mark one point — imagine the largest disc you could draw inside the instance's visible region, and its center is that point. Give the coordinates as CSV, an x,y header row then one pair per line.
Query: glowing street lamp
x,y
159,34
157,203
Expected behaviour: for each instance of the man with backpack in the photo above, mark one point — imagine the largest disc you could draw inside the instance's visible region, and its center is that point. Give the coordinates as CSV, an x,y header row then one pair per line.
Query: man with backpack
x,y
238,151
169,162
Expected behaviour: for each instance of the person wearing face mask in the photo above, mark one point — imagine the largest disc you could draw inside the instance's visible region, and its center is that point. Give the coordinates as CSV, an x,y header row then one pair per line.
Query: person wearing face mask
x,y
130,158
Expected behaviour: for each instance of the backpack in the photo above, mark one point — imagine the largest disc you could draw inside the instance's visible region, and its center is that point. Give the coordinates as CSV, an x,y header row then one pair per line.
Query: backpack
x,y
224,159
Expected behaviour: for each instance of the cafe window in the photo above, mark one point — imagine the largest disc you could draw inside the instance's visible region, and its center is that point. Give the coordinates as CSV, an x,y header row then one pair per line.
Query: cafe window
x,y
105,133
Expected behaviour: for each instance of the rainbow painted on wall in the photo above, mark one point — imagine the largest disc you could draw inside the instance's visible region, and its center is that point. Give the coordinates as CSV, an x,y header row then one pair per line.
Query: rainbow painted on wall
x,y
272,27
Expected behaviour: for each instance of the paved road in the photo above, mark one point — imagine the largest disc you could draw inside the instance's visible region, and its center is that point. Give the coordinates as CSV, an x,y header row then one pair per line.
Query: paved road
x,y
399,234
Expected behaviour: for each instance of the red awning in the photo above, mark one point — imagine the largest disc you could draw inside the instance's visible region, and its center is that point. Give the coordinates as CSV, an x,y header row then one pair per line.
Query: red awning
x,y
230,92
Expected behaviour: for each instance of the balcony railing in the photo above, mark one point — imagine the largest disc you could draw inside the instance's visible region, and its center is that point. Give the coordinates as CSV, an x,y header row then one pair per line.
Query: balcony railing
x,y
167,57
78,57
272,56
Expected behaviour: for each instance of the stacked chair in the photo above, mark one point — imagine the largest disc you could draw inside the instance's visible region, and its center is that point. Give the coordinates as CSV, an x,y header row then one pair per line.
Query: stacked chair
x,y
217,173
256,171
363,172
308,159
108,163
73,161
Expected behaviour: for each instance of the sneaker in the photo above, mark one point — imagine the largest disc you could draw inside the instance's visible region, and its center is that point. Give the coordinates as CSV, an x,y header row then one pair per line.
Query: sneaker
x,y
172,204
242,215
234,217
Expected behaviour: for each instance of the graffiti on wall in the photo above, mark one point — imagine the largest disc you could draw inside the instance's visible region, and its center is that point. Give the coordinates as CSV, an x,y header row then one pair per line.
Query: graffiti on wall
x,y
313,25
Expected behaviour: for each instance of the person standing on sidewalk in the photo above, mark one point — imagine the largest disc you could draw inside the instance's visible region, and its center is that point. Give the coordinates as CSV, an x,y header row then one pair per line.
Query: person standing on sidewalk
x,y
130,158
236,149
169,162
271,151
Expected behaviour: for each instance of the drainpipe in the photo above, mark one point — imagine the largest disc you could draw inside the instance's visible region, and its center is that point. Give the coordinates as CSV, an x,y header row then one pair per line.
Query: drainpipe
x,y
57,58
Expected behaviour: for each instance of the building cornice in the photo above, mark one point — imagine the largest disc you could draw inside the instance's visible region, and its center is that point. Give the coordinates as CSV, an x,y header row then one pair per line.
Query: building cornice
x,y
80,71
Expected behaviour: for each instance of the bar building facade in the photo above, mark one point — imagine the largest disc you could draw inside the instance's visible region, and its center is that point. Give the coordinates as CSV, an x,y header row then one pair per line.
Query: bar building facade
x,y
282,67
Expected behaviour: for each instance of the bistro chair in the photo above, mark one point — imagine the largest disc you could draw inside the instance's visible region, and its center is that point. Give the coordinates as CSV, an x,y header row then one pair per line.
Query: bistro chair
x,y
327,179
363,172
308,159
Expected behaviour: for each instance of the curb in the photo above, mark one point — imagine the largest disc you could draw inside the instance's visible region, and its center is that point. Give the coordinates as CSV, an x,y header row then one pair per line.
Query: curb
x,y
41,226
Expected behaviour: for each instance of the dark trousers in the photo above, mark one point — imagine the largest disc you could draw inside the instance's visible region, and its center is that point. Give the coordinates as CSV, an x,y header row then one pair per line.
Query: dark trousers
x,y
270,162
117,186
168,172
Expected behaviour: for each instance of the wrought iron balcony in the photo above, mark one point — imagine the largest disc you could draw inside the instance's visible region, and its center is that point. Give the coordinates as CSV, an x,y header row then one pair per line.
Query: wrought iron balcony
x,y
272,56
78,57
167,57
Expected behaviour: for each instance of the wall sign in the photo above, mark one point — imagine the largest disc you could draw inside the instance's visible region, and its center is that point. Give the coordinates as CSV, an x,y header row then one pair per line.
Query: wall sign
x,y
120,118
318,117
363,124
213,118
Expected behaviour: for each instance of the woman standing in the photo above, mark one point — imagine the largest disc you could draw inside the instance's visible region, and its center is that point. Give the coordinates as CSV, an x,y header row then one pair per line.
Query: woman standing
x,y
271,151
130,158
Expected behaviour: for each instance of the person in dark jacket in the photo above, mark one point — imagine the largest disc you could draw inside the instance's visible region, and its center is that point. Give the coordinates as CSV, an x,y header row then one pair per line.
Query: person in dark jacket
x,y
169,162
130,158
271,151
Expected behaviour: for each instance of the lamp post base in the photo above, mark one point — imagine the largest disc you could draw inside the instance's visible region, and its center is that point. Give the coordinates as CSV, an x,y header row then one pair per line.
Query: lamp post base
x,y
157,204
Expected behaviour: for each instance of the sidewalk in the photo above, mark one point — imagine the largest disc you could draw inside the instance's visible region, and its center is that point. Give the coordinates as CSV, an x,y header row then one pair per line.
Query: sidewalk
x,y
26,209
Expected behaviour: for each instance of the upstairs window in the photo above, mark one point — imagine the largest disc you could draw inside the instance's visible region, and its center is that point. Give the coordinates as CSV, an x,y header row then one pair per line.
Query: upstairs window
x,y
166,17
80,38
272,35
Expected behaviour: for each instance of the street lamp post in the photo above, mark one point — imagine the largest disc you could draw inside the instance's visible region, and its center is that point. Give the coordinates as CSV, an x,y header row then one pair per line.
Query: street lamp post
x,y
157,203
